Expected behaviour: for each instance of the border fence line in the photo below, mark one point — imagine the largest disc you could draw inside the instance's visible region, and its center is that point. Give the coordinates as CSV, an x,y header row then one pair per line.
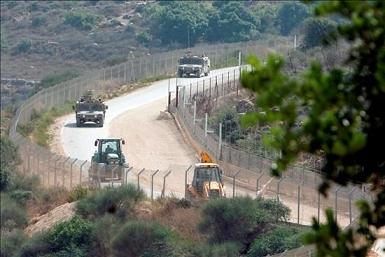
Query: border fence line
x,y
249,172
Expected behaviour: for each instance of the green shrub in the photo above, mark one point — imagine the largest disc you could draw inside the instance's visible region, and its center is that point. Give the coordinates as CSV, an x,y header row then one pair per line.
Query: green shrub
x,y
9,154
53,79
114,60
20,196
69,238
105,228
229,249
231,219
38,21
275,241
48,196
13,215
144,37
26,183
10,242
23,46
275,209
117,201
33,7
231,129
81,20
142,238
75,233
34,247
5,179
234,219
77,193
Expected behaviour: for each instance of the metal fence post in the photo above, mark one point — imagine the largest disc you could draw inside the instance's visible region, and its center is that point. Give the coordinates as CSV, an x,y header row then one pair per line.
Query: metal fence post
x,y
81,171
335,203
164,184
185,180
319,206
127,171
234,182
55,175
63,169
278,184
29,161
140,172
112,175
219,154
152,184
206,124
350,205
195,115
72,164
258,183
299,200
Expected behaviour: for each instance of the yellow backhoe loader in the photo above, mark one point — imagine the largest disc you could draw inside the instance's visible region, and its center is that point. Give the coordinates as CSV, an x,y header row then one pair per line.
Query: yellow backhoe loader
x,y
207,181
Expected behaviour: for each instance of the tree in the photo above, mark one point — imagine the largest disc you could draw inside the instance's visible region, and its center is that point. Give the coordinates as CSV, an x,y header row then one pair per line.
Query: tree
x,y
345,122
231,22
316,30
290,15
181,22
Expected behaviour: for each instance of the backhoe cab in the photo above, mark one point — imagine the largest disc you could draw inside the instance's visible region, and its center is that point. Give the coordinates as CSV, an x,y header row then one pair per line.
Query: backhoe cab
x,y
207,180
108,162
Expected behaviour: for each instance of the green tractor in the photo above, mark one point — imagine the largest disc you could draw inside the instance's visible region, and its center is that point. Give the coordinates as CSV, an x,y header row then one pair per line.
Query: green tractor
x,y
108,162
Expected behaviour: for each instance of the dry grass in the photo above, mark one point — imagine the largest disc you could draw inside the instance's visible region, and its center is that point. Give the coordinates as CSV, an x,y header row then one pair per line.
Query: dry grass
x,y
184,221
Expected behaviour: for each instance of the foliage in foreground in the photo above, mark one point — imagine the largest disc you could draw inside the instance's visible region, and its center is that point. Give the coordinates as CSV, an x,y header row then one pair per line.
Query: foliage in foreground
x,y
345,122
237,218
69,238
117,201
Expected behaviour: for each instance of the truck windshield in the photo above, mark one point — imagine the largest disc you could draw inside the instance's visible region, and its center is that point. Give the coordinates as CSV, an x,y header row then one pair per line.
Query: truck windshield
x,y
89,107
191,60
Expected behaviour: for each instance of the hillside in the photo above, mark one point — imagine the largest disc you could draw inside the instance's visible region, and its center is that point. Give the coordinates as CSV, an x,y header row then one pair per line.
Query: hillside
x,y
37,40
58,40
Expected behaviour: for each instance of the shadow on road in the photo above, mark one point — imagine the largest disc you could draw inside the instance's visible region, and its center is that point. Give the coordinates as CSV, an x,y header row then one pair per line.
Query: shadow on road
x,y
84,125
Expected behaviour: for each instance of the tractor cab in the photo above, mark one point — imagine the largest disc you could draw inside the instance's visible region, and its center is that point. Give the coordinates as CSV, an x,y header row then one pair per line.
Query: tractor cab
x,y
207,180
108,162
109,151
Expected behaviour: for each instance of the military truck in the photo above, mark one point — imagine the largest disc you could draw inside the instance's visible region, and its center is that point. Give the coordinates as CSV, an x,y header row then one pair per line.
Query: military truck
x,y
108,162
196,66
89,109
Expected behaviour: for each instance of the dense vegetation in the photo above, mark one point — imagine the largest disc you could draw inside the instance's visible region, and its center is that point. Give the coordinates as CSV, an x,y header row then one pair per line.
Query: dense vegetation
x,y
187,23
18,193
111,222
344,122
107,223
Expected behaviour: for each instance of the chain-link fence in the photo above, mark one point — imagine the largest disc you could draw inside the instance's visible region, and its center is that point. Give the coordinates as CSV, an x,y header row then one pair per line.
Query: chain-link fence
x,y
56,170
249,172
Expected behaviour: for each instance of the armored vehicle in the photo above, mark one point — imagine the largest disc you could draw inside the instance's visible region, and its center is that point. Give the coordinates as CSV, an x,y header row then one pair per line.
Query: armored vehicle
x,y
193,66
89,109
108,162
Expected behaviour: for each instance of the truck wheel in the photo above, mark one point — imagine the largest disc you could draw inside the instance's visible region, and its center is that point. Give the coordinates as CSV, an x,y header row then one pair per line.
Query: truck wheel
x,y
101,122
78,123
